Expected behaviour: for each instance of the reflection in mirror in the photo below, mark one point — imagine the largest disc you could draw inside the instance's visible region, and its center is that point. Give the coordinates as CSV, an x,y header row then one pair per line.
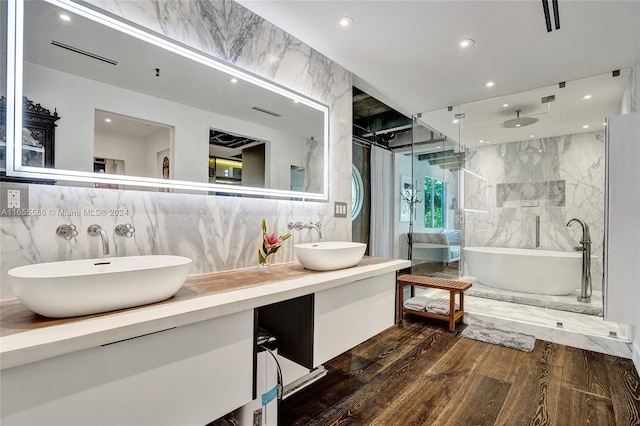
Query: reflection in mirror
x,y
165,103
128,146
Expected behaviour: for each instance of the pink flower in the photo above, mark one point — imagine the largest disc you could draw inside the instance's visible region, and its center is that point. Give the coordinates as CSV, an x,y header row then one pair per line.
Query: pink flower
x,y
271,241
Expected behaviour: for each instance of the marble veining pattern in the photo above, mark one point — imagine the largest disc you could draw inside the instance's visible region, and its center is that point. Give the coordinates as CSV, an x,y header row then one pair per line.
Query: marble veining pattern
x,y
218,233
576,159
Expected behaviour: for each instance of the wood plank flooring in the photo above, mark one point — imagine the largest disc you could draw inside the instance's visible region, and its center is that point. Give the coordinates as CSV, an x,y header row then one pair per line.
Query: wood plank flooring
x,y
418,373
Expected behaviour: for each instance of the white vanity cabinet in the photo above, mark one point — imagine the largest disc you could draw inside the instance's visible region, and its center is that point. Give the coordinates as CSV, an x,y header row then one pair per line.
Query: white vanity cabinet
x,y
189,375
190,360
347,315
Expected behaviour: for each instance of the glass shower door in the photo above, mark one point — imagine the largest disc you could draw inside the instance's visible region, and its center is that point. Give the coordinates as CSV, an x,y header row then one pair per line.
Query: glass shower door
x,y
435,237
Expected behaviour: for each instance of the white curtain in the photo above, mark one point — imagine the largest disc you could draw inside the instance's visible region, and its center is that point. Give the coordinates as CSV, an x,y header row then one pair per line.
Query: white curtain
x,y
381,201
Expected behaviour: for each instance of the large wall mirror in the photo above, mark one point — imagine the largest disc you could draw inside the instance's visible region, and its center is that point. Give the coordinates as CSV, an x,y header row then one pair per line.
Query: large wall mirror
x,y
137,111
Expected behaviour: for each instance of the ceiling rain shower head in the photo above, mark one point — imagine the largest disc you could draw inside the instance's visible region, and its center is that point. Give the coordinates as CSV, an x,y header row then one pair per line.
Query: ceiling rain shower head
x,y
519,121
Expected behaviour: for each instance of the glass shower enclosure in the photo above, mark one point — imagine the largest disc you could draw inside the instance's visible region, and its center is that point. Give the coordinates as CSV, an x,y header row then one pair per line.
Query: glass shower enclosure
x,y
500,182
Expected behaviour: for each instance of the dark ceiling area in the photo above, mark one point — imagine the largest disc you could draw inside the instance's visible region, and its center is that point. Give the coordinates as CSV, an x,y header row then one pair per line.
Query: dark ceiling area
x,y
376,122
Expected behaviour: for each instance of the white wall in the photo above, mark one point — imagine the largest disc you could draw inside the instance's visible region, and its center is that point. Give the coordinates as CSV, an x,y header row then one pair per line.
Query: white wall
x,y
140,154
281,153
635,330
158,142
132,150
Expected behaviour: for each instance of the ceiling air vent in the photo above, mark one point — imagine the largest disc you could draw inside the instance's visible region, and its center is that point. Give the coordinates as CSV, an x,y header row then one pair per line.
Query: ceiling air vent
x,y
275,114
84,52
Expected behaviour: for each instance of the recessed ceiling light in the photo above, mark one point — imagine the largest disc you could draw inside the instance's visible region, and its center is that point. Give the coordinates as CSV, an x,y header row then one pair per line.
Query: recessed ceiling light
x,y
108,120
489,84
234,80
586,97
345,21
65,17
295,101
466,43
518,125
455,121
532,136
505,105
438,147
481,141
488,142
586,126
539,150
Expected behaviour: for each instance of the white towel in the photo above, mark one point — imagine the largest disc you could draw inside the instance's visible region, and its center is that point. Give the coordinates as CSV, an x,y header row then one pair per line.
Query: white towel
x,y
439,306
418,303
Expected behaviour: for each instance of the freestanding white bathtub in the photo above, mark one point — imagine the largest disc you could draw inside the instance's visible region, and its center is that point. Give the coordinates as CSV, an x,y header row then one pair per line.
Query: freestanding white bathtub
x,y
523,270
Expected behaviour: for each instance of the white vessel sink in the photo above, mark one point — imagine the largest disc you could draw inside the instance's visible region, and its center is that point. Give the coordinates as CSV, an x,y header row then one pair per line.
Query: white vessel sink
x,y
89,286
329,255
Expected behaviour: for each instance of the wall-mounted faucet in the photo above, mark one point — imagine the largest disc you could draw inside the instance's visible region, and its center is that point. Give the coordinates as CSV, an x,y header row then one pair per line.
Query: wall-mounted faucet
x,y
585,248
298,226
95,230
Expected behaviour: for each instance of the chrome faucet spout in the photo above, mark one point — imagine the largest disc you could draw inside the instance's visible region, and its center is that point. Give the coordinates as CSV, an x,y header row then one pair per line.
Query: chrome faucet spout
x,y
96,230
317,226
298,226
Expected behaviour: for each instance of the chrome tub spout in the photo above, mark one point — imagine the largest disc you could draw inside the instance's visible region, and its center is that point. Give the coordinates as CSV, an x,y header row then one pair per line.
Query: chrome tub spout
x,y
585,248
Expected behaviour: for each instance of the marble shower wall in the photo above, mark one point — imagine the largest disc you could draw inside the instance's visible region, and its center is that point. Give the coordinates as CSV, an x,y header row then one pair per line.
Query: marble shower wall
x,y
578,160
218,233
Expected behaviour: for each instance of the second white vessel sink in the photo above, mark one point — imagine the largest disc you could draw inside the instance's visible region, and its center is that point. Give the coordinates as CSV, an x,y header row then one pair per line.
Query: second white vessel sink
x,y
89,286
329,255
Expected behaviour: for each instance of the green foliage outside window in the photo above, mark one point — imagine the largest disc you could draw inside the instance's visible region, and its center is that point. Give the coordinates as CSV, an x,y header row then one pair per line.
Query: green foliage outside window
x,y
433,203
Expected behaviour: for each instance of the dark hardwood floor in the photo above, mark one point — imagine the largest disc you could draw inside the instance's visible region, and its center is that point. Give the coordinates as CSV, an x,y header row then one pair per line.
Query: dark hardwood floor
x,y
418,373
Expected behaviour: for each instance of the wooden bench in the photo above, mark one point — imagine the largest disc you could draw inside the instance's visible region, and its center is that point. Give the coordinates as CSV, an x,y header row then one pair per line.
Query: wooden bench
x,y
453,286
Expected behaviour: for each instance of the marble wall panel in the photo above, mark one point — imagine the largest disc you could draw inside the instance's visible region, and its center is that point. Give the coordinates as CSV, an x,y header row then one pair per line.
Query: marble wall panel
x,y
578,160
218,233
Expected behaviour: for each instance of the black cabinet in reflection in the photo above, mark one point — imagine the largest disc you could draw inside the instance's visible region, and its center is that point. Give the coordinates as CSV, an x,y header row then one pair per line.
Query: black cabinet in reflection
x,y
38,138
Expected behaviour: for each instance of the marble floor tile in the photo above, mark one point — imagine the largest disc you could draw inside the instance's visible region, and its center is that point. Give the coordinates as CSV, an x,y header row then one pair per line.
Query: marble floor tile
x,y
568,328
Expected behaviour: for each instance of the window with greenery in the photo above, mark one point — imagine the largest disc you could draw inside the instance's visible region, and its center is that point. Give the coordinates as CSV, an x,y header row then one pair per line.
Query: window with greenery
x,y
433,203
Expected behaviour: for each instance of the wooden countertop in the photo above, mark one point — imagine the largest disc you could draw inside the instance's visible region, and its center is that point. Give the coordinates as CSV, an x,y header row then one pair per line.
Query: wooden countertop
x,y
202,297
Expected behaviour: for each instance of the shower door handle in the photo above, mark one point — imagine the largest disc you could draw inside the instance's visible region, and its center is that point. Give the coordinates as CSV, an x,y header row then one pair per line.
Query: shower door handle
x,y
537,231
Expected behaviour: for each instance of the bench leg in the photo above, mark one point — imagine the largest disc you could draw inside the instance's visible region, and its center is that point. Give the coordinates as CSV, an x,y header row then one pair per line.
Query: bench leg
x,y
452,311
400,300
